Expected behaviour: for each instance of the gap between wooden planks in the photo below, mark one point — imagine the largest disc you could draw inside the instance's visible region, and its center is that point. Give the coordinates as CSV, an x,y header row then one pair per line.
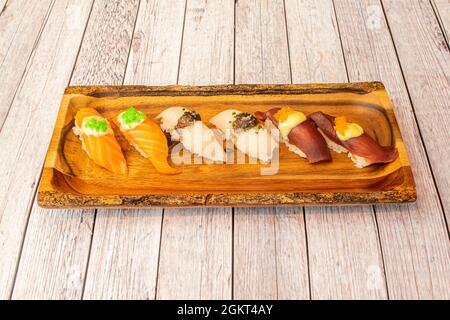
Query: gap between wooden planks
x,y
19,35
2,6
196,254
427,81
25,134
266,263
66,272
442,11
343,243
414,237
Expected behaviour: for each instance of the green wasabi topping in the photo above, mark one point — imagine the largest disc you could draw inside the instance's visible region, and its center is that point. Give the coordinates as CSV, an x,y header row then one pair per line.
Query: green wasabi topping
x,y
132,116
96,125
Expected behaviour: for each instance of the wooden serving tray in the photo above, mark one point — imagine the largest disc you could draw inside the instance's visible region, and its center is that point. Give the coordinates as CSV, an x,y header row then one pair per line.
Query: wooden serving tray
x,y
71,179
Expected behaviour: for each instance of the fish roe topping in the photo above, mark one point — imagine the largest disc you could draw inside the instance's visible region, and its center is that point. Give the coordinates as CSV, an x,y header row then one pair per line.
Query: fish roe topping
x,y
340,124
131,118
346,130
283,114
96,126
288,119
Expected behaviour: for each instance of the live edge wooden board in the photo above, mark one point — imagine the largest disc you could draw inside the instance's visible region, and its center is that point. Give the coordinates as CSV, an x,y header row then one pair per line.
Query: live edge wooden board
x,y
71,179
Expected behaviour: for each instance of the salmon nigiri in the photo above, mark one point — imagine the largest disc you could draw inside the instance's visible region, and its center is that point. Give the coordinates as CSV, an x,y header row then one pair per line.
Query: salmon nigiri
x,y
147,138
98,140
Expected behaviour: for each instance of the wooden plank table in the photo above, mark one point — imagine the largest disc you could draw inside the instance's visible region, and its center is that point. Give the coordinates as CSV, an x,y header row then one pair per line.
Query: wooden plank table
x,y
379,252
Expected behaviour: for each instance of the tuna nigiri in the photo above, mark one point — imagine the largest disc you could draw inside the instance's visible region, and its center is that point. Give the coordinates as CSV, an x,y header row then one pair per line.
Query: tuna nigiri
x,y
298,133
147,138
344,136
98,140
186,126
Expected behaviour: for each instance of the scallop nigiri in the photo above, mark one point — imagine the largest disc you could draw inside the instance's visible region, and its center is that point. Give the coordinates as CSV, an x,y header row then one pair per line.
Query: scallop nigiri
x,y
98,140
248,135
186,126
147,138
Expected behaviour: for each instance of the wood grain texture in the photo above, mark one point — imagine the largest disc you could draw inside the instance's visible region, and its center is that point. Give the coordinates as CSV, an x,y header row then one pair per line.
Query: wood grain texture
x,y
344,254
61,240
316,56
255,254
270,260
315,47
425,61
269,244
24,138
195,257
155,51
207,53
442,10
196,253
38,226
125,247
261,44
414,237
124,255
105,48
21,23
291,253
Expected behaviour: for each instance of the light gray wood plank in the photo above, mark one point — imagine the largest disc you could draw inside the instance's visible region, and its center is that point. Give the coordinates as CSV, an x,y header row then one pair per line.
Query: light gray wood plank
x,y
414,237
124,255
425,61
344,254
315,48
291,253
270,260
155,51
106,45
261,42
66,246
196,253
266,263
26,132
207,53
442,9
21,23
125,247
255,256
339,255
109,18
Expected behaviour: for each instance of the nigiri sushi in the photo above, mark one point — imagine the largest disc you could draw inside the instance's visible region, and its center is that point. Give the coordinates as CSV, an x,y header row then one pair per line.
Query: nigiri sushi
x,y
186,126
98,140
147,138
298,133
247,133
343,136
